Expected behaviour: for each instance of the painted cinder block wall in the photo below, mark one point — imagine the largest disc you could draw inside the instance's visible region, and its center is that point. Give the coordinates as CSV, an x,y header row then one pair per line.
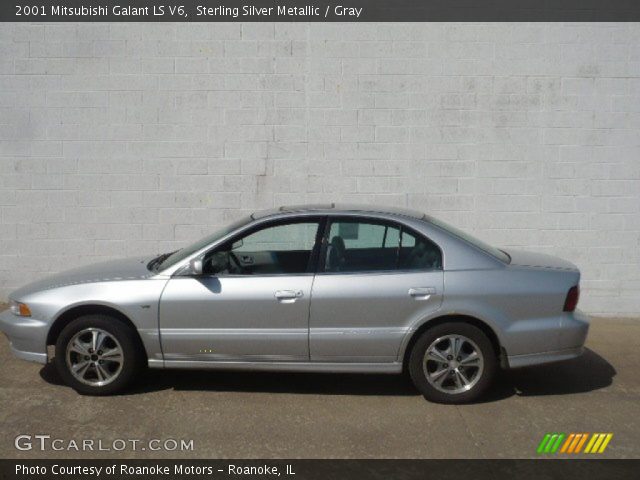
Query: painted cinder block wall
x,y
123,139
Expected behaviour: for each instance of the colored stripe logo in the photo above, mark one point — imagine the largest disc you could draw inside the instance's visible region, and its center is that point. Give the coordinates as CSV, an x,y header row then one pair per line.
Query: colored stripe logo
x,y
574,443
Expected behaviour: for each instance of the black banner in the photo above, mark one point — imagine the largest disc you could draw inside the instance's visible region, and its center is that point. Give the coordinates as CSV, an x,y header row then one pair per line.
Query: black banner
x,y
593,469
320,10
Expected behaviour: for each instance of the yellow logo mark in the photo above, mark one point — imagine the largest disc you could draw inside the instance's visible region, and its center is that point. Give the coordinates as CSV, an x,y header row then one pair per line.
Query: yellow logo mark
x,y
598,442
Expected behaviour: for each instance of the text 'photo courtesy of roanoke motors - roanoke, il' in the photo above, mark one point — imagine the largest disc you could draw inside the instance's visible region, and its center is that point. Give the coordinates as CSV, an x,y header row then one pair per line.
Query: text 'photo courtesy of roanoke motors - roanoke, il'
x,y
318,240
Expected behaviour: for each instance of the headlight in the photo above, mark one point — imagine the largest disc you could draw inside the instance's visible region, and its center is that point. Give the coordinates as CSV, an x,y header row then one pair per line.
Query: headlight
x,y
20,309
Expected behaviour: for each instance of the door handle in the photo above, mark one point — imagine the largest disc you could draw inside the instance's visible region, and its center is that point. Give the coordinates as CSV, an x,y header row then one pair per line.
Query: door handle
x,y
421,293
288,296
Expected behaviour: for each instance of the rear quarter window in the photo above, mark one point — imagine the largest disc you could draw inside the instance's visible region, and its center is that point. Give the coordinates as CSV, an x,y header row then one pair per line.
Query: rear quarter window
x,y
485,247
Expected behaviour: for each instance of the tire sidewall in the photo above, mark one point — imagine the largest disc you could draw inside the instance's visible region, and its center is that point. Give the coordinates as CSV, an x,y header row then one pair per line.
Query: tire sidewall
x,y
426,339
116,328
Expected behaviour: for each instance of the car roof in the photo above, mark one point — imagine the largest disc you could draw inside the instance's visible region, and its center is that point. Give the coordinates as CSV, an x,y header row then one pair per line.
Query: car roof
x,y
333,208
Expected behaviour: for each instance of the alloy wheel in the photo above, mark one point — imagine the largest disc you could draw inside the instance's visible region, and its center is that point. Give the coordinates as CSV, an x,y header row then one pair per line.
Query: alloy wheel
x,y
453,364
94,357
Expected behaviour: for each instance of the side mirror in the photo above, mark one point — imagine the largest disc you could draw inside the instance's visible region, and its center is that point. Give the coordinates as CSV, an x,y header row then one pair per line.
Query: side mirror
x,y
195,266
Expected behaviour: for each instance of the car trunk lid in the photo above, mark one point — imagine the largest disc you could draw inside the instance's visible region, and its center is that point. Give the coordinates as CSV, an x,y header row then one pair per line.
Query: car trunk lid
x,y
539,260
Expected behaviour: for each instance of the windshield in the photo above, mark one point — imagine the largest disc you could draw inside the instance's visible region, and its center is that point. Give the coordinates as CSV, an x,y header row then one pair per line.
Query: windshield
x,y
485,247
159,263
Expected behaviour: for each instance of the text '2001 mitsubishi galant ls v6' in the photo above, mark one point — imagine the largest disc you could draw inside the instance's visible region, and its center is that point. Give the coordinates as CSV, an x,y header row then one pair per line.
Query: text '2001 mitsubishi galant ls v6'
x,y
320,288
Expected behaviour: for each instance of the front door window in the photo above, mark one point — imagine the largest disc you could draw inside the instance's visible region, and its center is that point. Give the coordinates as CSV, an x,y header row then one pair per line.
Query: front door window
x,y
284,249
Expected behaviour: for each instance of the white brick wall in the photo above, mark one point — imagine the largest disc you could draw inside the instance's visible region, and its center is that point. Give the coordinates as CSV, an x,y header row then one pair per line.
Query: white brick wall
x,y
130,138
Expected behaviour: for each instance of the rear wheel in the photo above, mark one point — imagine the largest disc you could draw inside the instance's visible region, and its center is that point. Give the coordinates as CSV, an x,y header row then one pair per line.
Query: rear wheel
x,y
452,363
97,355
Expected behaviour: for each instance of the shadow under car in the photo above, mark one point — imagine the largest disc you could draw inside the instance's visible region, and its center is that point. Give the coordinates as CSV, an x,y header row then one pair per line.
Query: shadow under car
x,y
583,374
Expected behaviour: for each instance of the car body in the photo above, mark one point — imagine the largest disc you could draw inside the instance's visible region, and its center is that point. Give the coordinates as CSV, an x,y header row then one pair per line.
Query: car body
x,y
324,288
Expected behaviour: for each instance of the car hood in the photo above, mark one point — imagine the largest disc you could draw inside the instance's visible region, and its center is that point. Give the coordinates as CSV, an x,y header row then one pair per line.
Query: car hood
x,y
111,271
539,260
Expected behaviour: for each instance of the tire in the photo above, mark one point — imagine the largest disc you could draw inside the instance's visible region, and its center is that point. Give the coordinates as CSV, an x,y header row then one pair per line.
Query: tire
x,y
447,375
111,367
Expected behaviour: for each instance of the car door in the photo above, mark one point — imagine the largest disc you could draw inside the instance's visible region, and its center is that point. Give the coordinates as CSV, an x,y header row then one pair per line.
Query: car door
x,y
376,279
252,301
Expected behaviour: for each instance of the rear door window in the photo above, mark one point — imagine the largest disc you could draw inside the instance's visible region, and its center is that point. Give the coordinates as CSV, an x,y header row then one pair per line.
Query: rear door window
x,y
365,245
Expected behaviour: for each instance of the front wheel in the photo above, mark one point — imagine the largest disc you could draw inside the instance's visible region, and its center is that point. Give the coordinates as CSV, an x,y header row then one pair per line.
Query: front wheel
x,y
97,355
452,363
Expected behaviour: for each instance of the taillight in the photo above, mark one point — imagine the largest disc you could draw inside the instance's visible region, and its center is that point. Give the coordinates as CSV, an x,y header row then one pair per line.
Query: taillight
x,y
571,302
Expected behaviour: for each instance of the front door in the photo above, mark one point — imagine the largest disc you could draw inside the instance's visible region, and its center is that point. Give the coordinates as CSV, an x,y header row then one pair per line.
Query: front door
x,y
250,304
377,279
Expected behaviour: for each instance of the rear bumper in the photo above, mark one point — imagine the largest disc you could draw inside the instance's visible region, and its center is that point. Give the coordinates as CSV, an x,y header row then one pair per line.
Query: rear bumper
x,y
517,361
552,340
27,336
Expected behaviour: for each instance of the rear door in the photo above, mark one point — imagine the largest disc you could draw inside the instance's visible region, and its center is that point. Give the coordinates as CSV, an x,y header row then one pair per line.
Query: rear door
x,y
375,279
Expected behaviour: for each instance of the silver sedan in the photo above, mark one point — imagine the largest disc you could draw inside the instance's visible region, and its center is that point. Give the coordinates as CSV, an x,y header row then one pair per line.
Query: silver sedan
x,y
321,288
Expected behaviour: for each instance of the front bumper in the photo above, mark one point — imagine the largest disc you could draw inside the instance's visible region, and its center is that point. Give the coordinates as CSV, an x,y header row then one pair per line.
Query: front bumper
x,y
552,340
27,336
